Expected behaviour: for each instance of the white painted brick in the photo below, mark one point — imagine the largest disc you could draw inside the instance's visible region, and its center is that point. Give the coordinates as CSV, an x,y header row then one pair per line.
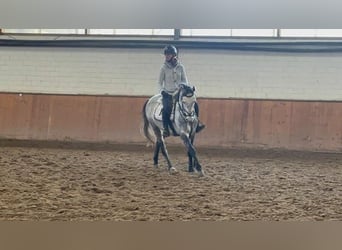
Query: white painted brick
x,y
223,74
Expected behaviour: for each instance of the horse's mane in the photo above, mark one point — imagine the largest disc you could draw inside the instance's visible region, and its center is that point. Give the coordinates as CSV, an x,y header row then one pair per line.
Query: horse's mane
x,y
186,90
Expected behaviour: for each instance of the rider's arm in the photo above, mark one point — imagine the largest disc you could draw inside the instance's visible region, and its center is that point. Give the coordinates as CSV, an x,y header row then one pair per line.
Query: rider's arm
x,y
184,79
161,79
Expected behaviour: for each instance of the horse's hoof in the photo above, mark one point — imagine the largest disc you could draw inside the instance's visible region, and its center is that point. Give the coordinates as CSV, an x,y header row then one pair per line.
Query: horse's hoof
x,y
172,170
155,165
201,173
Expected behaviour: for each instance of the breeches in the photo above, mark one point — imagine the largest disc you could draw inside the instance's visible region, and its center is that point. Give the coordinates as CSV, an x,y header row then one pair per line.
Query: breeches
x,y
168,103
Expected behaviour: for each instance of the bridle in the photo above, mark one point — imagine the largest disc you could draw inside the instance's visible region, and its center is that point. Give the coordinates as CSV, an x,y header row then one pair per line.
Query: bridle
x,y
188,115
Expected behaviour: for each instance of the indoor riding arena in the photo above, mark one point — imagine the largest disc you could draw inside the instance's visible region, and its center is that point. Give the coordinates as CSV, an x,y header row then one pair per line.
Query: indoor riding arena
x,y
72,147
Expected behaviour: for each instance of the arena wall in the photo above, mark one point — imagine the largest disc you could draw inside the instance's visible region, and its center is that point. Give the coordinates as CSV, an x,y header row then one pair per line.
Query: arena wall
x,y
134,72
247,99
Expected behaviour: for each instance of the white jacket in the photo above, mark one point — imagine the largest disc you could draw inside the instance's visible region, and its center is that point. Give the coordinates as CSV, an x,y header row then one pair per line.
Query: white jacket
x,y
171,76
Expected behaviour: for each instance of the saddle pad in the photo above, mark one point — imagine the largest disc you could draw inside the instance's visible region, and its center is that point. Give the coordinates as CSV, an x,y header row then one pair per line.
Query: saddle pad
x,y
158,113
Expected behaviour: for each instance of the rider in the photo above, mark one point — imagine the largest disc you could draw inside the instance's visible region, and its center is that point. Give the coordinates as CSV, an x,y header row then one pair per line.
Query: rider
x,y
172,73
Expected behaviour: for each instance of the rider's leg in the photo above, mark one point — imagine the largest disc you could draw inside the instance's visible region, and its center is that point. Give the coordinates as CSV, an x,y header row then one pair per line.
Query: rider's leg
x,y
200,125
167,109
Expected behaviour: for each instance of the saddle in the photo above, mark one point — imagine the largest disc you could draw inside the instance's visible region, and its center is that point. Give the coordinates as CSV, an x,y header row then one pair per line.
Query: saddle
x,y
158,112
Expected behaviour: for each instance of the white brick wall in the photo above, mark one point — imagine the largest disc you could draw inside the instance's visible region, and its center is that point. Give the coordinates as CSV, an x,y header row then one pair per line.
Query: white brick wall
x,y
216,73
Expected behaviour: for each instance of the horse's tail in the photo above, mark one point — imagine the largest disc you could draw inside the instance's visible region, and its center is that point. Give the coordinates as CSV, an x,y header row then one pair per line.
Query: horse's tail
x,y
146,124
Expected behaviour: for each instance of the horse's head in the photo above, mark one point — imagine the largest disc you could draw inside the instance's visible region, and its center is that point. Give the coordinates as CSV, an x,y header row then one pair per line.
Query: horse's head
x,y
186,90
187,99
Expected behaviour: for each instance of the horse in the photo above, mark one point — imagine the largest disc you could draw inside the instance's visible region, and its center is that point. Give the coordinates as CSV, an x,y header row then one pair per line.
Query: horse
x,y
184,121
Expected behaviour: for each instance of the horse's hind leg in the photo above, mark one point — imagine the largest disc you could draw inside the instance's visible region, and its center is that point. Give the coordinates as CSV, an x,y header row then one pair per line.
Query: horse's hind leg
x,y
195,161
160,145
166,155
156,154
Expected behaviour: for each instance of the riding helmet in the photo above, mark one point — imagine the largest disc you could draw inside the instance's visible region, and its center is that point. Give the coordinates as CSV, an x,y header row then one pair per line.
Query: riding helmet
x,y
170,49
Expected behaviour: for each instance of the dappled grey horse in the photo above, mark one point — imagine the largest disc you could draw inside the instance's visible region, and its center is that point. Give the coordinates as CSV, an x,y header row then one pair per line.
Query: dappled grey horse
x,y
184,121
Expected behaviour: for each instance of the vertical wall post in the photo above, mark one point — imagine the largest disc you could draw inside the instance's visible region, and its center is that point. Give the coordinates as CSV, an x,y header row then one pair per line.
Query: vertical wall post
x,y
177,34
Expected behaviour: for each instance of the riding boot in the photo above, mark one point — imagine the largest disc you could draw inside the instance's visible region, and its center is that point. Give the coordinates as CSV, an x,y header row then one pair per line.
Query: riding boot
x,y
200,127
167,109
166,131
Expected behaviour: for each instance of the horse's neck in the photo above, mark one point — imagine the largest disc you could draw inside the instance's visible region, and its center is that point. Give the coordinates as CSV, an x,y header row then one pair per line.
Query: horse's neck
x,y
177,102
182,109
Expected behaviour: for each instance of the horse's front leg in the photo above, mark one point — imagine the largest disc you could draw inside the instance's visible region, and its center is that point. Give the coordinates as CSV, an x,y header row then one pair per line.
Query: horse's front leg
x,y
192,154
190,165
190,158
